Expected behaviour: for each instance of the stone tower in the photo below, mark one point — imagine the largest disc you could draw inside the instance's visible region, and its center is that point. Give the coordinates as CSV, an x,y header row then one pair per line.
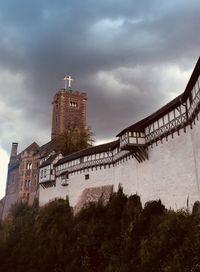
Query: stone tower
x,y
12,184
69,111
13,154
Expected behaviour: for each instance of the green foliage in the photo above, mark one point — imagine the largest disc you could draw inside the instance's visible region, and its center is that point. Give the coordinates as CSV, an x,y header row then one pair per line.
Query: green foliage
x,y
74,140
118,237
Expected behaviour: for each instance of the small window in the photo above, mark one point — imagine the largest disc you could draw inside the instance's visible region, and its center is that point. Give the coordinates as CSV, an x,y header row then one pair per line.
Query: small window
x,y
65,176
45,173
73,104
41,174
81,159
27,184
29,166
87,176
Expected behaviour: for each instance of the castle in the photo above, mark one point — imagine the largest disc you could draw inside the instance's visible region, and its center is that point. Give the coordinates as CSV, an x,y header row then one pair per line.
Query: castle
x,y
157,157
69,112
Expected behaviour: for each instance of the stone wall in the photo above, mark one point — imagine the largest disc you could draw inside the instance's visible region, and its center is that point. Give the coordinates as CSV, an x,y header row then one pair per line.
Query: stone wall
x,y
2,202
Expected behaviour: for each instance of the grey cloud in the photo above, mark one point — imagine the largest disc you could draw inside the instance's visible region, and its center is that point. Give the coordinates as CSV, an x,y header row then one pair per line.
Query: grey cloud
x,y
41,40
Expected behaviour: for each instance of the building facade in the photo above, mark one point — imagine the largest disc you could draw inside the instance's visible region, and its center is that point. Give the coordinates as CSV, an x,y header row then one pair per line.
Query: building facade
x,y
157,158
22,177
28,173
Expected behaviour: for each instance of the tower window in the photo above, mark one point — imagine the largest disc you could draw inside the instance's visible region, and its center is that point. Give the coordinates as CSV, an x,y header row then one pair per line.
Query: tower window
x,y
27,184
73,104
29,166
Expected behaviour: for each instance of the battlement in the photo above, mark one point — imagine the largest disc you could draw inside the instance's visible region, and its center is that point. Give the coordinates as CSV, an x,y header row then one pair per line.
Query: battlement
x,y
70,92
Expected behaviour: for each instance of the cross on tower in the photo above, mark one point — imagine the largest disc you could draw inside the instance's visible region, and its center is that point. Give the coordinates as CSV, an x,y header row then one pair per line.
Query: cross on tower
x,y
69,79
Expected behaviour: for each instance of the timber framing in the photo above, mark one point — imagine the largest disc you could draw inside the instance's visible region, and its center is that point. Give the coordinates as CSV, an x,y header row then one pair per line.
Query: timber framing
x,y
48,184
175,115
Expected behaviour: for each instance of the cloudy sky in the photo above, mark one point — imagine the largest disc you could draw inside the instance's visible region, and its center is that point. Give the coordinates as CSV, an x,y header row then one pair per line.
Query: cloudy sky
x,y
131,57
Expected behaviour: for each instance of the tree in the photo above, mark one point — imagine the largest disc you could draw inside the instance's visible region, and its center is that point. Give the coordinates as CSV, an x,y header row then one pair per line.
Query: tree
x,y
52,231
74,140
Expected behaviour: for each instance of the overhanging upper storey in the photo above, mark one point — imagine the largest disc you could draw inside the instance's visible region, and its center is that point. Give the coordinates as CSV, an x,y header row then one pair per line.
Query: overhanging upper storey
x,y
175,115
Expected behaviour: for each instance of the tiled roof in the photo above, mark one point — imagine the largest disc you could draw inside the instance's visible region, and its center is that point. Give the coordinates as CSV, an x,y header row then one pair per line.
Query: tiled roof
x,y
140,126
49,160
56,144
89,151
32,147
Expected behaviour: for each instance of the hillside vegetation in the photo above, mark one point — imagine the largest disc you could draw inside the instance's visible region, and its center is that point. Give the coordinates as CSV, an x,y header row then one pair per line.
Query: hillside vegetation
x,y
119,237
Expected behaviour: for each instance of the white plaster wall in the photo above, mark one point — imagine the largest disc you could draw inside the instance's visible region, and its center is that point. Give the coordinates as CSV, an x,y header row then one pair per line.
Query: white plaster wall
x,y
171,174
77,184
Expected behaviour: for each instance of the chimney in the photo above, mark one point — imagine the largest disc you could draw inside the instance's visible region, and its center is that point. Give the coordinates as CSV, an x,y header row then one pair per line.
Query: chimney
x,y
13,155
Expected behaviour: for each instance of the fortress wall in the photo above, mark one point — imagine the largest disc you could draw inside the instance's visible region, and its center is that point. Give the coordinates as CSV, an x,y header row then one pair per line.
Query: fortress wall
x,y
97,178
195,139
77,184
48,194
171,174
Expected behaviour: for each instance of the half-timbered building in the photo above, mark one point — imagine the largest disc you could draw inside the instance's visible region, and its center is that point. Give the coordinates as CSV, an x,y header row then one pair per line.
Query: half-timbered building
x,y
157,157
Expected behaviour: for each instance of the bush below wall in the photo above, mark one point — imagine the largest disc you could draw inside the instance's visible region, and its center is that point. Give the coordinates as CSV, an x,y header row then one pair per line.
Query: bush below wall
x,y
121,236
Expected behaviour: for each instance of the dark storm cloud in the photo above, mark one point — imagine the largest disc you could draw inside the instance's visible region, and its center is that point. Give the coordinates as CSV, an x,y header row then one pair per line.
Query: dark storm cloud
x,y
120,52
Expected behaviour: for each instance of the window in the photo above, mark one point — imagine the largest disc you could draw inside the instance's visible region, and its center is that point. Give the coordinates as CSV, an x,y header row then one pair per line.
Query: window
x,y
65,176
41,174
65,179
45,173
73,104
29,166
81,159
27,184
87,176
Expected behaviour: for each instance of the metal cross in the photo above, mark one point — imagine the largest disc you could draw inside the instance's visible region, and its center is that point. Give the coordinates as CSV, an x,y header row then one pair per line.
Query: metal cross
x,y
69,79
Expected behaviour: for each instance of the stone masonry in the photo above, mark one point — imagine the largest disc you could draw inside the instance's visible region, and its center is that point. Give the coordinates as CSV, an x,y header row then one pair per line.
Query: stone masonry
x,y
69,111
